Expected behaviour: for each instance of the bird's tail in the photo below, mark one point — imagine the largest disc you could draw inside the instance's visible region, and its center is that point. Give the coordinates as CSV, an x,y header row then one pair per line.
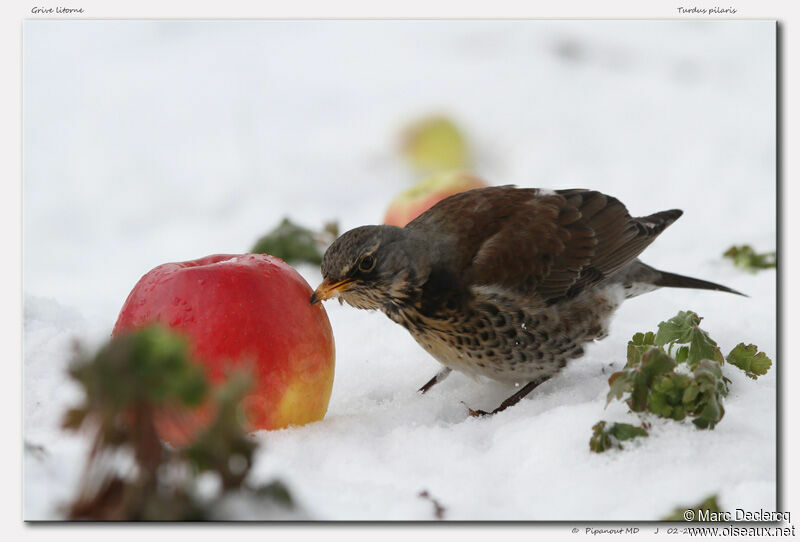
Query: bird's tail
x,y
638,278
671,280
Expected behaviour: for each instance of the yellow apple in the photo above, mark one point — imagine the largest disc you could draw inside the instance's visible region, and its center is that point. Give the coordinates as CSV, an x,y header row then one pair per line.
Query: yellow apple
x,y
419,198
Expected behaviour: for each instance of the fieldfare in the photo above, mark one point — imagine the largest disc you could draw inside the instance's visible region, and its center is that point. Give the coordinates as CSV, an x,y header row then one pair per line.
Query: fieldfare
x,y
508,283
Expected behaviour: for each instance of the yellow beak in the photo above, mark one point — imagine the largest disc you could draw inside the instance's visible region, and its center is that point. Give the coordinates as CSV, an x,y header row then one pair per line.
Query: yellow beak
x,y
327,290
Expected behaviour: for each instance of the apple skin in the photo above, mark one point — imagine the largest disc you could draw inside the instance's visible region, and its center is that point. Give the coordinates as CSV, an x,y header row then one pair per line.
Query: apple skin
x,y
419,198
434,144
248,311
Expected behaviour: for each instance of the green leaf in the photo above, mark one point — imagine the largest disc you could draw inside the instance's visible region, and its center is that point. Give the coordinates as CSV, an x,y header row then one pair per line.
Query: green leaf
x,y
690,394
750,360
707,407
626,431
666,396
73,418
655,362
658,405
150,365
603,439
619,383
224,447
703,347
638,345
746,257
677,329
293,243
277,491
600,440
684,329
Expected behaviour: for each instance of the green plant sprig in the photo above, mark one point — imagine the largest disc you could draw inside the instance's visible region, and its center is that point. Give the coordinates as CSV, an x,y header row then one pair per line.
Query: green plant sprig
x,y
745,257
676,373
132,382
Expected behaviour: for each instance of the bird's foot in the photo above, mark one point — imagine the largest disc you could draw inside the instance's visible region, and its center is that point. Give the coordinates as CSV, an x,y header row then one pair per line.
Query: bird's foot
x,y
481,413
441,375
511,401
477,413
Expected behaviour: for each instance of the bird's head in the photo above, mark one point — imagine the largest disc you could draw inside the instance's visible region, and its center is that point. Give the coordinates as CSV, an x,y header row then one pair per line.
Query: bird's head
x,y
371,267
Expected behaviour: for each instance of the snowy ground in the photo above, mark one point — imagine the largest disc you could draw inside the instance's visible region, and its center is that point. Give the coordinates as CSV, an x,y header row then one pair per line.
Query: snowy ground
x,y
148,142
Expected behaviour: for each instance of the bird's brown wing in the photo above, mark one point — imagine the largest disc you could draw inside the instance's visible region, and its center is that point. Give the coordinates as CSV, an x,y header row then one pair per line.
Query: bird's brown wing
x,y
549,245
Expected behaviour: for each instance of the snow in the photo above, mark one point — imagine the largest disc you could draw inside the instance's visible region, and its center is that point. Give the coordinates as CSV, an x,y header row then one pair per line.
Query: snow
x,y
147,142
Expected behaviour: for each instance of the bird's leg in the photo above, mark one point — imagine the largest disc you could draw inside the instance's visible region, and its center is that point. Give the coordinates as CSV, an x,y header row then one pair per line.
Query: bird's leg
x,y
511,401
441,375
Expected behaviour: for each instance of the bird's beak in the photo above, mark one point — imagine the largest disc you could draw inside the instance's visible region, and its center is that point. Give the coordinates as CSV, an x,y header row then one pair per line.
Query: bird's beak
x,y
329,289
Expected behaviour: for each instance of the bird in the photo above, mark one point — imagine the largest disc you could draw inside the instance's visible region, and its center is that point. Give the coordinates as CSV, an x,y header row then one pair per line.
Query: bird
x,y
503,282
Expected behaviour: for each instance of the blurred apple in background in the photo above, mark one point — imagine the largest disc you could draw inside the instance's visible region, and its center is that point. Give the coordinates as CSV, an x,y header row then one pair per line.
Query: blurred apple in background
x,y
413,202
434,144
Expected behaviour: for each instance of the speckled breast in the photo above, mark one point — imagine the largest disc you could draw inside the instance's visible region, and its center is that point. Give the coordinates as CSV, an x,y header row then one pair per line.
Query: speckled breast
x,y
499,337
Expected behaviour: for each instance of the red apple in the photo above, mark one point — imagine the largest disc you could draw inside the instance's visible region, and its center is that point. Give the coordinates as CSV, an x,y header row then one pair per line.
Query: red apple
x,y
249,310
419,198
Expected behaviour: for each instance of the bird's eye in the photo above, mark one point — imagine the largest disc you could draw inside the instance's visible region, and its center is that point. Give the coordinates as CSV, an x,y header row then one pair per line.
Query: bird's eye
x,y
366,263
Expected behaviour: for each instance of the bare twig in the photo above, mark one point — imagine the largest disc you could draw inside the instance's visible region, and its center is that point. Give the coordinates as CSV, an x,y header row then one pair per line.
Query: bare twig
x,y
438,509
